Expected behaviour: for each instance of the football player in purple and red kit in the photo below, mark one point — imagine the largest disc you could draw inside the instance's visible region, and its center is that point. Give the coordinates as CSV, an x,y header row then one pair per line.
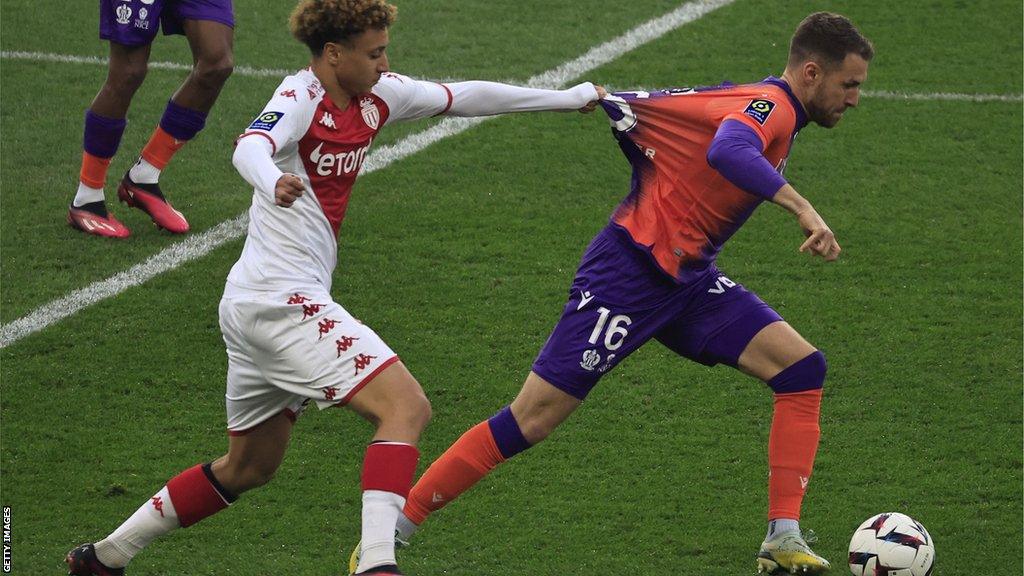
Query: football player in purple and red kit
x,y
288,342
702,161
131,26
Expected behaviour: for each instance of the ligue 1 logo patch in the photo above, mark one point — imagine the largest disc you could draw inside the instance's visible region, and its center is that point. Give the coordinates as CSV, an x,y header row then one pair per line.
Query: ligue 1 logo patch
x,y
760,110
266,121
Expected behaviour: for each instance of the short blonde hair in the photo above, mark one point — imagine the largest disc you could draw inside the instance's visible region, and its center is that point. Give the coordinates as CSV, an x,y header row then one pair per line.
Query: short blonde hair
x,y
317,22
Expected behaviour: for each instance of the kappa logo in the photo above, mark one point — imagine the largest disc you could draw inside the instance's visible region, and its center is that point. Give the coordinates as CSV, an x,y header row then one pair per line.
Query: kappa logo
x,y
124,14
804,480
158,504
328,120
371,115
590,360
435,498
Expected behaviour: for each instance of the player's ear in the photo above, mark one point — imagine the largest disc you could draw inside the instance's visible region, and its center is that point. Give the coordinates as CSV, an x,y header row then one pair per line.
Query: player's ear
x,y
332,51
812,72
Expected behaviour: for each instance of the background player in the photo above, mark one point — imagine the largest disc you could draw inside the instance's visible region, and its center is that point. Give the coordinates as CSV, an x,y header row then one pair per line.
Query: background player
x,y
288,342
131,26
702,160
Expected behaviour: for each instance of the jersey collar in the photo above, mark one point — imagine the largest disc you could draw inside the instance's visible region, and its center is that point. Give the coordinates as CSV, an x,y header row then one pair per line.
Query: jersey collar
x,y
801,114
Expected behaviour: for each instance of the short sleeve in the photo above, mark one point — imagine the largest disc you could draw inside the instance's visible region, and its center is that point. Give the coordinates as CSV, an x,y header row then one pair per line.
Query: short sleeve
x,y
286,117
409,99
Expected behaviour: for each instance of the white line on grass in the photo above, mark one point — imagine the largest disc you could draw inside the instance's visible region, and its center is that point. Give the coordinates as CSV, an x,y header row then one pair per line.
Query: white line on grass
x,y
199,245
98,61
952,96
540,80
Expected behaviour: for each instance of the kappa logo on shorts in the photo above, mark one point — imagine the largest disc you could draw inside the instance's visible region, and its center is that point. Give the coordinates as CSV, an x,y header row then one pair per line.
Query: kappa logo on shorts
x,y
362,361
325,326
297,299
344,343
330,393
760,109
266,121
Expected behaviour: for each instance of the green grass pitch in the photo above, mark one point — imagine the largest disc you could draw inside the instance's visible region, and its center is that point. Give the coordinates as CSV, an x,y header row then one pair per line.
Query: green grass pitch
x,y
460,257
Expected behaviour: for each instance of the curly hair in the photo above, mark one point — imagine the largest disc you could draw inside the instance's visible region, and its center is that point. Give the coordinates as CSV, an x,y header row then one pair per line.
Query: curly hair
x,y
317,22
829,37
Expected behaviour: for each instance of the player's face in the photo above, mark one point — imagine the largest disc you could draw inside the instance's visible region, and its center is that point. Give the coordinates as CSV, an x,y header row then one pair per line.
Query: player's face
x,y
838,89
360,63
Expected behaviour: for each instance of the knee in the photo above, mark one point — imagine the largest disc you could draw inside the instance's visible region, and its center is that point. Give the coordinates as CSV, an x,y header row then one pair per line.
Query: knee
x,y
805,374
214,72
412,413
126,79
535,424
245,476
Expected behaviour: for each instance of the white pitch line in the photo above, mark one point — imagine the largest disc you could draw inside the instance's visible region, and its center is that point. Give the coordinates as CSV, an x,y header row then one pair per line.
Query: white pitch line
x,y
199,245
98,61
542,80
939,96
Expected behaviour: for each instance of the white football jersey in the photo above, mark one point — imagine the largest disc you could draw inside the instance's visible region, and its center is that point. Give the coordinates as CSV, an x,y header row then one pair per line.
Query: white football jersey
x,y
296,248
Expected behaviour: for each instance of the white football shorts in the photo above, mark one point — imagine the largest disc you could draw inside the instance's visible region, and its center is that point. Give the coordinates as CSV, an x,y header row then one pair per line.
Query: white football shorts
x,y
285,350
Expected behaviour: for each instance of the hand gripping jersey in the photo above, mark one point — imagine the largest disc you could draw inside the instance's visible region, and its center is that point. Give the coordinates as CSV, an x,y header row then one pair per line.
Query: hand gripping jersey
x,y
325,146
680,209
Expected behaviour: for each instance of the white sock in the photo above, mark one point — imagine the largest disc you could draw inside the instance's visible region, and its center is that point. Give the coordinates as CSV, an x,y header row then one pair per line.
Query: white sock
x,y
144,173
405,527
380,513
781,526
86,195
154,518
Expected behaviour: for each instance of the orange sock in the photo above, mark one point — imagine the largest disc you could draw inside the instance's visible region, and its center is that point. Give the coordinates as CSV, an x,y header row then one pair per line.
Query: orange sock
x,y
94,170
464,464
160,148
792,444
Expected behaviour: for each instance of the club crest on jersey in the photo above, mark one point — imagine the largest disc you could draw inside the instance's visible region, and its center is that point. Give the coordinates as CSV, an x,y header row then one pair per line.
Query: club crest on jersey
x,y
590,360
760,110
266,121
124,14
370,113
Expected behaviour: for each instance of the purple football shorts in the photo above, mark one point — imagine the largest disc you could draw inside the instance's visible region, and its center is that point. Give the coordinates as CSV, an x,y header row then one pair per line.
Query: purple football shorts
x,y
135,22
620,299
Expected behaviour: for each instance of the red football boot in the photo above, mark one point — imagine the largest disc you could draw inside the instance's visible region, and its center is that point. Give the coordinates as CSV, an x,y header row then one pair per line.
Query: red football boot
x,y
149,199
93,218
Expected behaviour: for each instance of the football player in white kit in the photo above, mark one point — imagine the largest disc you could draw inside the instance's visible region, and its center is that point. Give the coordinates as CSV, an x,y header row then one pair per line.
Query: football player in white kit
x,y
288,342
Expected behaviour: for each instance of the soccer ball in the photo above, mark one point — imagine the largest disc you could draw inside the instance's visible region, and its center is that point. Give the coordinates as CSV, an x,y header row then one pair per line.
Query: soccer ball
x,y
891,544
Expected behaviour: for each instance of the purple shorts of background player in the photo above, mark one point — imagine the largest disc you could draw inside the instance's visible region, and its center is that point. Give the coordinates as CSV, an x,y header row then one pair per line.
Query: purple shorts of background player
x,y
620,299
135,22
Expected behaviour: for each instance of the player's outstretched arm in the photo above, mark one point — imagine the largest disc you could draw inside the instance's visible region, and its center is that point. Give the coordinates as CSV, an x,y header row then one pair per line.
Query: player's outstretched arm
x,y
481,98
820,239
